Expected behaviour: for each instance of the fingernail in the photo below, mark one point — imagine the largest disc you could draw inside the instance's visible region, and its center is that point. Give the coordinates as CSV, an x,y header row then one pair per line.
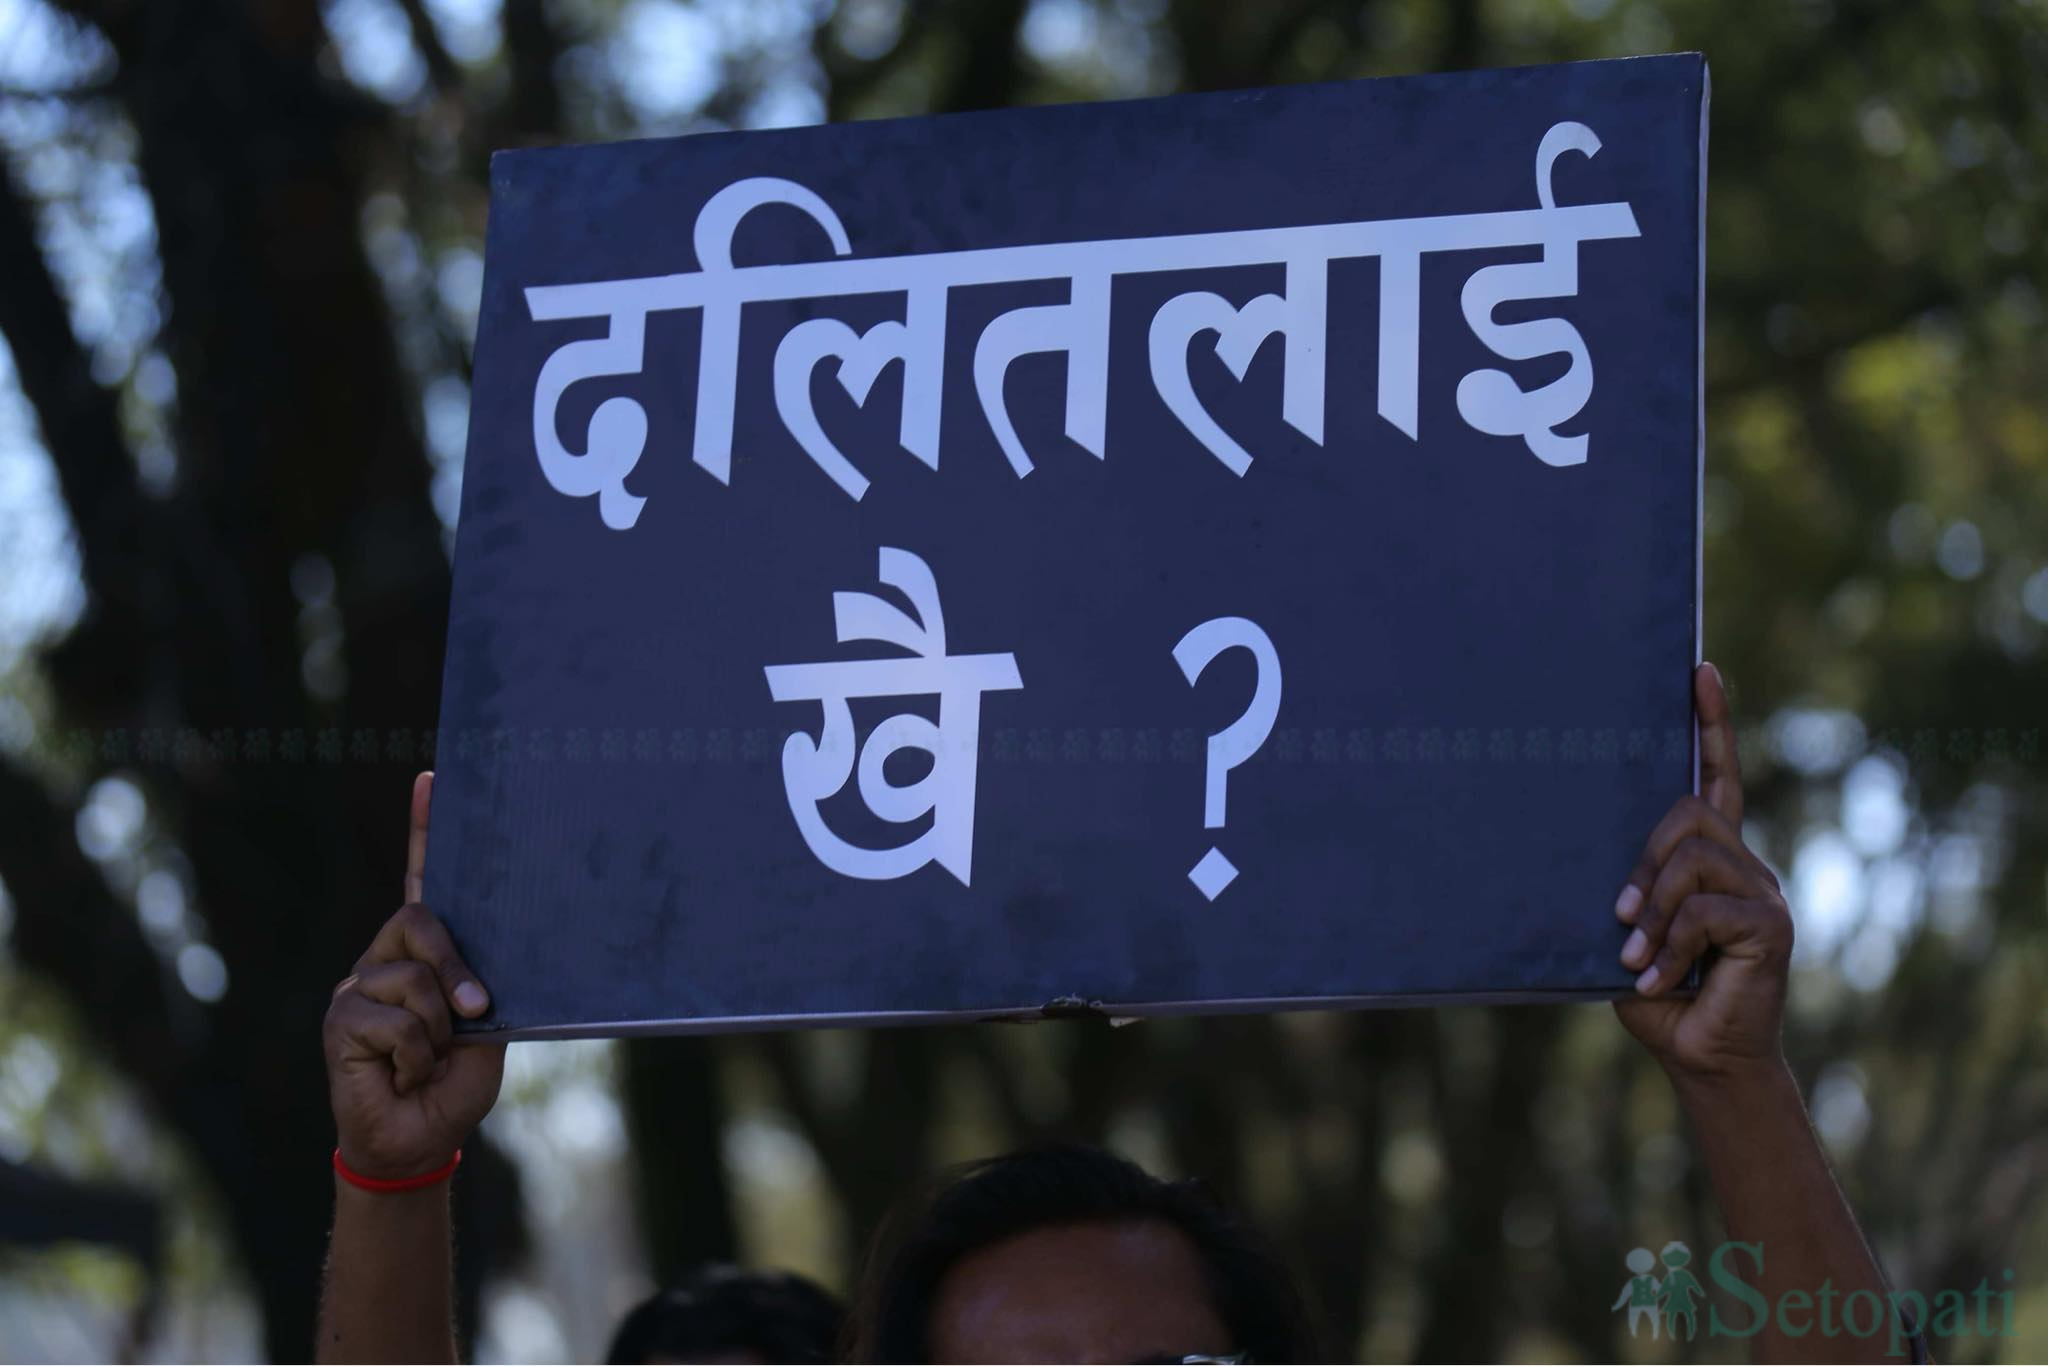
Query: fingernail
x,y
1628,903
1647,980
1638,944
470,999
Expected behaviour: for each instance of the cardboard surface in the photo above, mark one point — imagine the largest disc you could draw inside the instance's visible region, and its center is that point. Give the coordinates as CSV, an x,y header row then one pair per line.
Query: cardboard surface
x,y
1477,593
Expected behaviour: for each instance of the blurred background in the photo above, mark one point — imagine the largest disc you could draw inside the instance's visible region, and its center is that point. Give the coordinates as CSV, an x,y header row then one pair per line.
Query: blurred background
x,y
240,258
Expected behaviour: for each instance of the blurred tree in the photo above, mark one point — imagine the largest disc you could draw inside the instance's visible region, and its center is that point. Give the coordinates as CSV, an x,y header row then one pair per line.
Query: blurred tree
x,y
297,457
1877,561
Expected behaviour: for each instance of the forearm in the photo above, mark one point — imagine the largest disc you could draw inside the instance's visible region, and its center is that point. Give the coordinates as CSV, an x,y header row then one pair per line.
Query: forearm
x,y
1777,1193
386,1295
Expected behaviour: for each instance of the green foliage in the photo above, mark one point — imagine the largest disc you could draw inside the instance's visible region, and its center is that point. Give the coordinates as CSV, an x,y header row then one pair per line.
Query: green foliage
x,y
1877,594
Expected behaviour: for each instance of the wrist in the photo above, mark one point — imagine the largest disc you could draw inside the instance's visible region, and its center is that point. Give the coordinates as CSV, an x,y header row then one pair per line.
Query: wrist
x,y
363,1167
398,1219
1736,1085
402,1209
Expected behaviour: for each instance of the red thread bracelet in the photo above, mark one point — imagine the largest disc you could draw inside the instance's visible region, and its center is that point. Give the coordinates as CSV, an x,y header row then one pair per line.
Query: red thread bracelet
x,y
405,1183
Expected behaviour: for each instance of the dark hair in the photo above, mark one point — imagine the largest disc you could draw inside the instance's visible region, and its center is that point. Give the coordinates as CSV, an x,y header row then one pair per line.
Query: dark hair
x,y
985,1202
776,1314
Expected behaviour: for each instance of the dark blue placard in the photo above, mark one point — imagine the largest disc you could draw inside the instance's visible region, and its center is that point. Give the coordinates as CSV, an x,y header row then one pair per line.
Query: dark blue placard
x,y
1470,563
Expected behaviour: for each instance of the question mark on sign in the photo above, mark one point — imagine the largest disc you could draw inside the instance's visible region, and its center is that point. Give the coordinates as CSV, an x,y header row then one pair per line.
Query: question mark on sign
x,y
1237,741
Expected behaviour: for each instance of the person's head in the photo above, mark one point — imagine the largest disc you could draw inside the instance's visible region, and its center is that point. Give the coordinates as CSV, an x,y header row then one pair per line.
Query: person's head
x,y
1071,1254
1676,1255
724,1314
1640,1261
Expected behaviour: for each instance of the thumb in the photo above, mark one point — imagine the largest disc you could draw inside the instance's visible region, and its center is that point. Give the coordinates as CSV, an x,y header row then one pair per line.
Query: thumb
x,y
416,837
1720,767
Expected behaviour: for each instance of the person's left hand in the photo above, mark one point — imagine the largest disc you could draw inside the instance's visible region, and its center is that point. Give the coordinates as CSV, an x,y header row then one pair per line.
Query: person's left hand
x,y
1697,888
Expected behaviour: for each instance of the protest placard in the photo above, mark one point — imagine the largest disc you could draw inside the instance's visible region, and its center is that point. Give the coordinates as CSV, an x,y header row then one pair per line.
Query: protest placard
x,y
1215,552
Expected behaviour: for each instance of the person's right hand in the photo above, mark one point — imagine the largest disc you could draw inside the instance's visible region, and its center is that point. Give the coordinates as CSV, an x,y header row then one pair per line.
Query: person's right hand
x,y
405,1095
